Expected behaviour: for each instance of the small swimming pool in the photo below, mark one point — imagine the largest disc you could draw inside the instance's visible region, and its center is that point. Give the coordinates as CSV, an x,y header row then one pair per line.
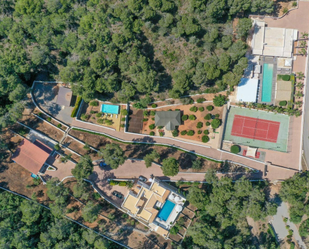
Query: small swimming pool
x,y
166,210
267,84
113,109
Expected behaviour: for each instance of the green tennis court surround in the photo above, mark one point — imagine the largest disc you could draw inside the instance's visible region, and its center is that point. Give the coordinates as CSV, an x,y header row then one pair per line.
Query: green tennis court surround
x,y
259,129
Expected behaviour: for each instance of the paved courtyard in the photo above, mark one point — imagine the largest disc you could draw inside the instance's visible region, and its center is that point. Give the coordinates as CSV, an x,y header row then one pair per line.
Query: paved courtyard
x,y
46,96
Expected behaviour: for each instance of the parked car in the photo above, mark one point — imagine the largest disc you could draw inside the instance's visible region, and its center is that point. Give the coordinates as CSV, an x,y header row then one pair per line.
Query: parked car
x,y
142,179
117,194
102,164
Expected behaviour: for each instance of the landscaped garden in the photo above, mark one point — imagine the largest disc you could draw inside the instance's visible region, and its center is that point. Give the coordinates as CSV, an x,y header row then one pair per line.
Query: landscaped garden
x,y
91,112
199,122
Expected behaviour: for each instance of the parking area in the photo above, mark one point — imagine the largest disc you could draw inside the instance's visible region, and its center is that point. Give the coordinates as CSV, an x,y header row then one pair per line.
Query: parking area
x,y
45,95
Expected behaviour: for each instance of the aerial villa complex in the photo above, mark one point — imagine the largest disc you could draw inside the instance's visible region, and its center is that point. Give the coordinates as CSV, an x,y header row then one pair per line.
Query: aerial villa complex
x,y
272,55
154,204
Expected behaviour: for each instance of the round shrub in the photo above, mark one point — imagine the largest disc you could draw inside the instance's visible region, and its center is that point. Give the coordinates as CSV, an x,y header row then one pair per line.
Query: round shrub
x,y
199,132
94,103
152,113
201,109
286,77
146,113
193,109
210,107
175,133
190,133
152,133
154,105
122,125
207,123
283,103
161,133
200,100
59,125
160,127
205,139
217,115
208,116
100,121
199,125
123,119
183,132
184,117
48,119
235,149
124,112
206,132
145,119
192,117
152,126
215,123
99,114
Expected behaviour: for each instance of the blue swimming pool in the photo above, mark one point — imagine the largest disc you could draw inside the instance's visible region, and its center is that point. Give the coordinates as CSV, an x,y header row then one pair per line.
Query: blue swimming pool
x,y
267,84
112,109
166,210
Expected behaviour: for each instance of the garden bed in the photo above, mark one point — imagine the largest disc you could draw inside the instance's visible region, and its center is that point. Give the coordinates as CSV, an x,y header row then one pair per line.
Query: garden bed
x,y
50,120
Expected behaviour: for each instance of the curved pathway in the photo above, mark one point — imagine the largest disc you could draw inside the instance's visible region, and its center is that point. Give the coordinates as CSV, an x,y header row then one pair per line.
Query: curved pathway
x,y
273,172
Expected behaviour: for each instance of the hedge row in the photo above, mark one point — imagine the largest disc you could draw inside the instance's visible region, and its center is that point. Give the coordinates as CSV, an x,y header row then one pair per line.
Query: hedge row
x,y
77,104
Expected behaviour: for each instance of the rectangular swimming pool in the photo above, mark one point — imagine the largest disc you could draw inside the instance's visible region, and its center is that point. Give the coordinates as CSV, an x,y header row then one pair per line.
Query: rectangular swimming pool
x,y
267,84
166,210
113,109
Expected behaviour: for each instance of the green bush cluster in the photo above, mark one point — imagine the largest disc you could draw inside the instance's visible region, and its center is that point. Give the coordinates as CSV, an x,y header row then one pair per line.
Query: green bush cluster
x,y
235,149
210,107
190,133
283,103
199,125
192,117
94,103
184,132
193,109
154,105
208,117
76,106
152,126
200,100
184,117
152,133
205,139
201,109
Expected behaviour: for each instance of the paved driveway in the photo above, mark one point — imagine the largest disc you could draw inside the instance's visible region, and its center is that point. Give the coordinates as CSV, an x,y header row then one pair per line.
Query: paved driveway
x,y
46,97
279,225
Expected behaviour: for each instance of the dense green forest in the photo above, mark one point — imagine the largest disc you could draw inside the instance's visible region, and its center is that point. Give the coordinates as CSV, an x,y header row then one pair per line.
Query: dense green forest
x,y
223,207
121,50
25,224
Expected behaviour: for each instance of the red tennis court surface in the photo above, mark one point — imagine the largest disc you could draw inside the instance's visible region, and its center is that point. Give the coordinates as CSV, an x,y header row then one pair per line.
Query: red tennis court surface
x,y
254,128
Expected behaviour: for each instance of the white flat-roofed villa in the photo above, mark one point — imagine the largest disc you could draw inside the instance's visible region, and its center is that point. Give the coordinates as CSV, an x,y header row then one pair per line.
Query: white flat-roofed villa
x,y
155,204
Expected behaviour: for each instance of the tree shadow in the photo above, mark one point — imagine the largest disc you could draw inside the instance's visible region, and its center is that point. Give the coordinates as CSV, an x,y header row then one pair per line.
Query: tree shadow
x,y
185,160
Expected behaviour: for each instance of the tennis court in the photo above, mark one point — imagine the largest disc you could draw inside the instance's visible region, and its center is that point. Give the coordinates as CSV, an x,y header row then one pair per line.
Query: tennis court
x,y
258,129
255,128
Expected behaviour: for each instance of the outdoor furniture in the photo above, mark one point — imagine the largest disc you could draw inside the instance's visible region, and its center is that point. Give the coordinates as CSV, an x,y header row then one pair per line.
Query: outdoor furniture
x,y
244,152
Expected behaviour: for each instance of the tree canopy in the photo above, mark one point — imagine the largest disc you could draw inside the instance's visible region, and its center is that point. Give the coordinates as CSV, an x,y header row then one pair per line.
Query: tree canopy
x,y
170,166
83,168
113,155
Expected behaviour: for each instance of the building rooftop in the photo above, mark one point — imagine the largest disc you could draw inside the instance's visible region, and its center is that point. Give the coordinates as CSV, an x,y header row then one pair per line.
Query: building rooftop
x,y
169,119
270,41
247,90
64,96
31,156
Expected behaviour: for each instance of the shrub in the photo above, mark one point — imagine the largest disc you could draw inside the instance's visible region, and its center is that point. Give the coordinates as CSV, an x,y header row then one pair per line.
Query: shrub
x,y
193,109
152,126
124,112
208,117
84,116
96,196
192,117
57,147
49,119
283,103
100,121
187,101
200,100
160,127
59,125
285,77
153,119
152,133
294,4
122,184
207,123
161,133
154,105
40,114
145,119
146,113
210,107
217,115
99,114
183,132
175,133
285,10
109,122
304,228
199,125
184,117
235,149
152,113
206,132
190,133
92,112
201,109
94,103
219,100
199,132
215,123
205,139
122,125
75,109
123,119
113,183
174,230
